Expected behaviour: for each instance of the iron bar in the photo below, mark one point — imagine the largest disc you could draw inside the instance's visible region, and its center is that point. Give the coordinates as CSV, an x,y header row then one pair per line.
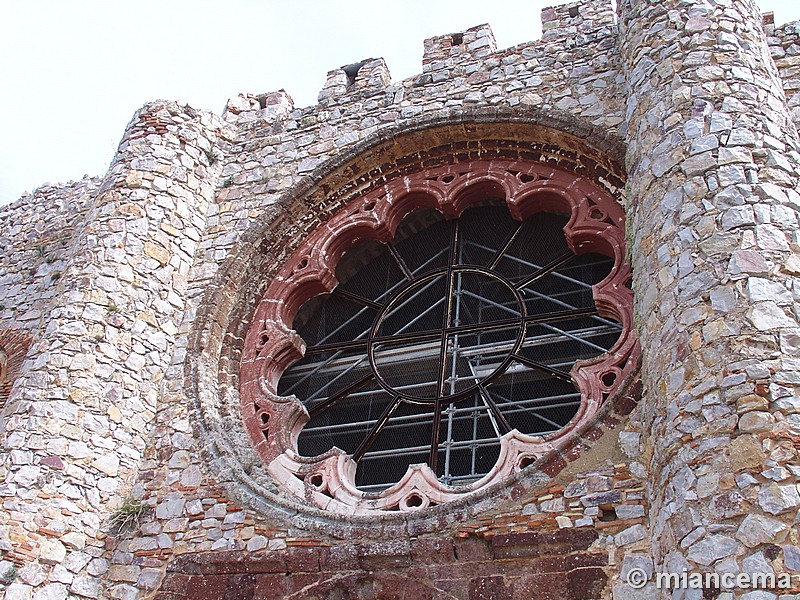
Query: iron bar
x,y
437,409
460,414
414,356
560,276
331,400
499,419
544,271
407,273
506,245
573,337
552,317
542,367
422,352
376,429
531,265
338,291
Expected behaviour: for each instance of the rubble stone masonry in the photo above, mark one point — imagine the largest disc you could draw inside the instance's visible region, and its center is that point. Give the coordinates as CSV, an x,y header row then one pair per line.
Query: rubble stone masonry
x,y
712,158
126,470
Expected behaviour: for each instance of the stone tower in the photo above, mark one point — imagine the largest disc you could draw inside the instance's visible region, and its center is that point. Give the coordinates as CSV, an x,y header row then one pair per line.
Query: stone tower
x,y
615,215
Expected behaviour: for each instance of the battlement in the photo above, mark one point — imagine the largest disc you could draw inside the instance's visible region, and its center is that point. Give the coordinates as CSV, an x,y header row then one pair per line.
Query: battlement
x,y
474,43
269,107
454,57
577,20
365,78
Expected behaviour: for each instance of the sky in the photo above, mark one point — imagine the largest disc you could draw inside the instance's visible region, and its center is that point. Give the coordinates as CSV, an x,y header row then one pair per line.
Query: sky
x,y
75,72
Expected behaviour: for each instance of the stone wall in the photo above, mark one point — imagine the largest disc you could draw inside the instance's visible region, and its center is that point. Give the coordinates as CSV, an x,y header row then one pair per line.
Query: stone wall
x,y
14,345
570,73
712,165
572,541
37,234
199,503
133,292
79,416
784,45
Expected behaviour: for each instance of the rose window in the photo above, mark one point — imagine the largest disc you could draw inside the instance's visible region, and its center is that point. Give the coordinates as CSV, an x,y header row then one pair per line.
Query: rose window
x,y
435,340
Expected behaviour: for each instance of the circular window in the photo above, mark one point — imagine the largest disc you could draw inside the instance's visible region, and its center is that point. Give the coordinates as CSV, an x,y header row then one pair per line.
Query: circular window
x,y
423,366
397,367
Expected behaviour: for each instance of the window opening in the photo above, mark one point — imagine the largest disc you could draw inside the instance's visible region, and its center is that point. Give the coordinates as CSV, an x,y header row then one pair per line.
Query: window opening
x,y
435,345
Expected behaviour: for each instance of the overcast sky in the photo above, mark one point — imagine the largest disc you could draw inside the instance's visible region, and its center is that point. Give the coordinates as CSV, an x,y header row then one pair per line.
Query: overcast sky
x,y
75,71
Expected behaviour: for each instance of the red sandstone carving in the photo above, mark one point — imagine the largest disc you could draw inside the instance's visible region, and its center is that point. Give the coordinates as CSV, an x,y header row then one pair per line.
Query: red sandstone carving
x,y
13,349
596,224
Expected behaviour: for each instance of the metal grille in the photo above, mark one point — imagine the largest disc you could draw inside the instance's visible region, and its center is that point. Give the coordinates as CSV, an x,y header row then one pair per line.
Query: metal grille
x,y
435,345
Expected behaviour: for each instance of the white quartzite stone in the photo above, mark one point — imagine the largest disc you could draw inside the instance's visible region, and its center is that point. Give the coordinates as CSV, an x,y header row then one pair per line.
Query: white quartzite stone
x,y
108,464
759,289
630,535
52,551
776,499
624,591
52,591
712,549
757,529
18,591
767,316
170,508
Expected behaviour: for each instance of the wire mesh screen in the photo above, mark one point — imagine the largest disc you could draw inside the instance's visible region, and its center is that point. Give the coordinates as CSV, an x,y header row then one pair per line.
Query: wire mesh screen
x,y
435,345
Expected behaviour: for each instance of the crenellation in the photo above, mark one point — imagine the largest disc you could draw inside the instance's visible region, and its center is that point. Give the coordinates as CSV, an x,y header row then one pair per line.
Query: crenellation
x,y
363,79
577,23
444,51
523,77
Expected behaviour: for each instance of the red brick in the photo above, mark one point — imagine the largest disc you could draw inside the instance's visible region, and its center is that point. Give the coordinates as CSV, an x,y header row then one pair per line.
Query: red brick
x,y
270,587
390,586
488,588
593,434
337,558
625,405
458,588
266,563
574,449
232,562
384,556
554,465
173,582
542,586
302,560
214,587
586,559
589,582
296,582
432,550
540,544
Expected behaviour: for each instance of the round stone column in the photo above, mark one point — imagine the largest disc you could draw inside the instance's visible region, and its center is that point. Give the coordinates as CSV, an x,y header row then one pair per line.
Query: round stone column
x,y
78,422
713,229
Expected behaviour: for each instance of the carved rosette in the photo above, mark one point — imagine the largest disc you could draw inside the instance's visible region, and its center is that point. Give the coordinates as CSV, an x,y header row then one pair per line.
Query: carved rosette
x,y
596,224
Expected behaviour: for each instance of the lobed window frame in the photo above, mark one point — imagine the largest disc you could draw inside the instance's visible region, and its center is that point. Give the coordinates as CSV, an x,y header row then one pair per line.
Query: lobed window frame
x,y
595,224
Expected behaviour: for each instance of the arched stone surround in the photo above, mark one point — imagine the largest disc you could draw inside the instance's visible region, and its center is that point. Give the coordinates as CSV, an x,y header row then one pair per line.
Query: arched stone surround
x,y
216,342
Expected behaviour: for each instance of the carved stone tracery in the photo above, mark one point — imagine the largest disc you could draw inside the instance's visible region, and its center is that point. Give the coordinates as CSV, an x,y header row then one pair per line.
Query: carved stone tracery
x,y
596,224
